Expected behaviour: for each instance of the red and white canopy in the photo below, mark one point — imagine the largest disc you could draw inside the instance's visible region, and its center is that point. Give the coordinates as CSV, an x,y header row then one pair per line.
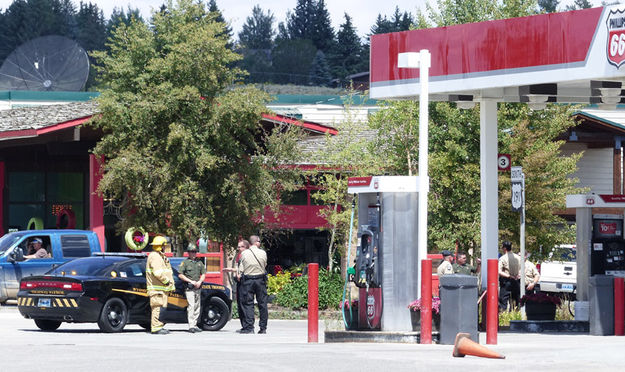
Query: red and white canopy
x,y
564,57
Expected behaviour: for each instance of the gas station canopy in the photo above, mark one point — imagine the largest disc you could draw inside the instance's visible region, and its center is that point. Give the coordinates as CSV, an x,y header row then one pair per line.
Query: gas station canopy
x,y
569,57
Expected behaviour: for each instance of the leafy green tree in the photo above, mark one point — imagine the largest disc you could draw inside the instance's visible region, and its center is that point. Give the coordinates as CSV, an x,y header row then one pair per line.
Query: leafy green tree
x,y
347,154
257,32
189,152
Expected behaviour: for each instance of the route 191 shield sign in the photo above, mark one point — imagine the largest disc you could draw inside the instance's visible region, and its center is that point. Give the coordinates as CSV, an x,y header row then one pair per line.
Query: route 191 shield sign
x,y
516,179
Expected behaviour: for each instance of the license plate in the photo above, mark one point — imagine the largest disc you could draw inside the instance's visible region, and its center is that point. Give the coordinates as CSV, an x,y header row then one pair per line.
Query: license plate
x,y
44,302
567,287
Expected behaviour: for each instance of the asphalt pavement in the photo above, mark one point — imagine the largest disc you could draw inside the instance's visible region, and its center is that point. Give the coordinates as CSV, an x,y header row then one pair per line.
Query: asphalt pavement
x,y
82,347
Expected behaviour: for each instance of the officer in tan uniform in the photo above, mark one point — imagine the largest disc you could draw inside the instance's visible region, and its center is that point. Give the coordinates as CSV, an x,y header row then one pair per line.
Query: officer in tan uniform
x,y
509,278
445,268
254,283
532,276
160,281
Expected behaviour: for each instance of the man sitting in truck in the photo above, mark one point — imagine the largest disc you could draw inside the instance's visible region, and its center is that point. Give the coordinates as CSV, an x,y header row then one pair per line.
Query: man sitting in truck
x,y
36,250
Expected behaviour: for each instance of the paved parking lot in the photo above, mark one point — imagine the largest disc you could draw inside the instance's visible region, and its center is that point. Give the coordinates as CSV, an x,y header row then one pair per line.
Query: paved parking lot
x,y
81,347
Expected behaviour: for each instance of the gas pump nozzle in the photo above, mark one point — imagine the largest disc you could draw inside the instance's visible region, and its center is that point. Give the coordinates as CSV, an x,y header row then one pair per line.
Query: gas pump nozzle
x,y
366,268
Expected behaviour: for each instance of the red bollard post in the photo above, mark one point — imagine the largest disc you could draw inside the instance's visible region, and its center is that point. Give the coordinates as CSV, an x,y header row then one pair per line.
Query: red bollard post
x,y
313,302
492,303
426,301
619,306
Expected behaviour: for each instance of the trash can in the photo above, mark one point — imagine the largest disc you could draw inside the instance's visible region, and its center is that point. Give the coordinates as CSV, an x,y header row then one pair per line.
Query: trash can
x,y
458,295
601,301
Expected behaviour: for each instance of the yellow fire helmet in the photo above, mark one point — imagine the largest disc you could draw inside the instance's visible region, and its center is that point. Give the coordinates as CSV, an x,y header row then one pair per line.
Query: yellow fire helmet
x,y
158,243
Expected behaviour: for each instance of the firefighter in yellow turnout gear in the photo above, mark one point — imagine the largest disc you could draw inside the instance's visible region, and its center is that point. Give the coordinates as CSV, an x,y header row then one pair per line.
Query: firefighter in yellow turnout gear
x,y
160,281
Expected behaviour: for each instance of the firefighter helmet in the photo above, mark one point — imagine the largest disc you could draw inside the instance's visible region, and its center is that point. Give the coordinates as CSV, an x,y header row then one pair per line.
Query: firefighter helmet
x,y
159,241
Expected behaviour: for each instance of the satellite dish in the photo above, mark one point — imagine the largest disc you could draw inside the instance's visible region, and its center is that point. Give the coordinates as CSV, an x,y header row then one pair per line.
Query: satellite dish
x,y
47,63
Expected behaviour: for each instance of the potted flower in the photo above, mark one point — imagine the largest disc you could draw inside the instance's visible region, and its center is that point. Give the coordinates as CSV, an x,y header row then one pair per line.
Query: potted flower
x,y
415,314
350,312
540,306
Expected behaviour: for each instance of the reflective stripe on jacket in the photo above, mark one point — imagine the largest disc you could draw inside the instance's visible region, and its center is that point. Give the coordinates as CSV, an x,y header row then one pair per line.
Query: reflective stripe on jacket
x,y
158,273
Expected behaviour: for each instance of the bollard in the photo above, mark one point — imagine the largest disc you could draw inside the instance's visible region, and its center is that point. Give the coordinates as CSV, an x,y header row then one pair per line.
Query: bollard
x,y
426,301
492,303
313,302
619,307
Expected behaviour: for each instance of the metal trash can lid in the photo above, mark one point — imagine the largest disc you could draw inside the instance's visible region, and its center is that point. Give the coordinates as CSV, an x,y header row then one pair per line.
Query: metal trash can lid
x,y
458,281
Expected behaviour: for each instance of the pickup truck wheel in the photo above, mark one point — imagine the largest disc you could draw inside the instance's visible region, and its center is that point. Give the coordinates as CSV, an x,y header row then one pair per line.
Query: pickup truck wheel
x,y
47,325
215,314
114,316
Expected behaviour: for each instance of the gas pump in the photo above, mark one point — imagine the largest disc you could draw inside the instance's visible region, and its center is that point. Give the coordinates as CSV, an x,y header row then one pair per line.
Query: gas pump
x,y
607,255
386,265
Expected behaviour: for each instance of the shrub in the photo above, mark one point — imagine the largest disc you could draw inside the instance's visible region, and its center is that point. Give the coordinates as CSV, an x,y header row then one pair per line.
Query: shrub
x,y
276,282
294,295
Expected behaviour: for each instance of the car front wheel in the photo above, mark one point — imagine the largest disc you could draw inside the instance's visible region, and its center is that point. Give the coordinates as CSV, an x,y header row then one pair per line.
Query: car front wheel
x,y
47,325
215,314
114,316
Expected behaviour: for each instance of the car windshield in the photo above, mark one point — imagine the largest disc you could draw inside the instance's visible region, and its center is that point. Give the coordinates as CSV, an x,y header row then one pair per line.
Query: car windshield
x,y
564,254
89,266
8,240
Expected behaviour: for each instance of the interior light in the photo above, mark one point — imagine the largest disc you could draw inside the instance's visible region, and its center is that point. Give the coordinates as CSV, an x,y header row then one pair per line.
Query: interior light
x,y
537,98
610,92
537,106
611,99
465,105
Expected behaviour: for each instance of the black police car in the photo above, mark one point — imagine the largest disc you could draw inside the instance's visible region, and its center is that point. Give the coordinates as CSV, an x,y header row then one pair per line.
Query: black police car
x,y
111,290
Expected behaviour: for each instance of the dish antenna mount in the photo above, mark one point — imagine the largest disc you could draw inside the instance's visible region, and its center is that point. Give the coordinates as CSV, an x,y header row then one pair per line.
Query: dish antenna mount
x,y
47,63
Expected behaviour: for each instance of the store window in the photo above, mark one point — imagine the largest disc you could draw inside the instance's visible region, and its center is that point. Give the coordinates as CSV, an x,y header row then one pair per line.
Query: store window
x,y
39,197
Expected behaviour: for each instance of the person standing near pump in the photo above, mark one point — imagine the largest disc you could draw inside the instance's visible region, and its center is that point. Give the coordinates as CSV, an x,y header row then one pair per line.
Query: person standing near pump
x,y
192,271
159,281
509,278
254,283
532,276
445,268
462,267
241,246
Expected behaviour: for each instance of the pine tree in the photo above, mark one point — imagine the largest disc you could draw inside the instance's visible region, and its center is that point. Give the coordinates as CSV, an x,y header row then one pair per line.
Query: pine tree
x,y
258,32
323,33
212,7
300,24
579,4
548,6
346,58
119,16
320,71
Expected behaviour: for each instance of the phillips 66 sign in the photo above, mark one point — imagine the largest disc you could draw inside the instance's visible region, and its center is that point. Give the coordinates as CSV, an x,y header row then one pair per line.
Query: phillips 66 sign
x,y
517,181
616,37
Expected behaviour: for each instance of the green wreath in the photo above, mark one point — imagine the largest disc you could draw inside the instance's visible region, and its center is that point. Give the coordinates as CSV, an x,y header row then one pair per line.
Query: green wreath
x,y
136,245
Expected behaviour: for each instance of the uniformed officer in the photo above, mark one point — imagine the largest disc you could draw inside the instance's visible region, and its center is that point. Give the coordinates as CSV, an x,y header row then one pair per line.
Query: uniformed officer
x,y
509,278
532,276
159,281
254,283
445,268
192,271
462,267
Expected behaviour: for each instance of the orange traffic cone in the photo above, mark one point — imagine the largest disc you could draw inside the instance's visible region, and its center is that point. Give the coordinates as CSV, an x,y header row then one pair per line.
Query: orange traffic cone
x,y
465,346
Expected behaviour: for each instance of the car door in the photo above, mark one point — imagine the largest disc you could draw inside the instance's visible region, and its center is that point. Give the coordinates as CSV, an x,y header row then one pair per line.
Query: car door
x,y
34,266
131,282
